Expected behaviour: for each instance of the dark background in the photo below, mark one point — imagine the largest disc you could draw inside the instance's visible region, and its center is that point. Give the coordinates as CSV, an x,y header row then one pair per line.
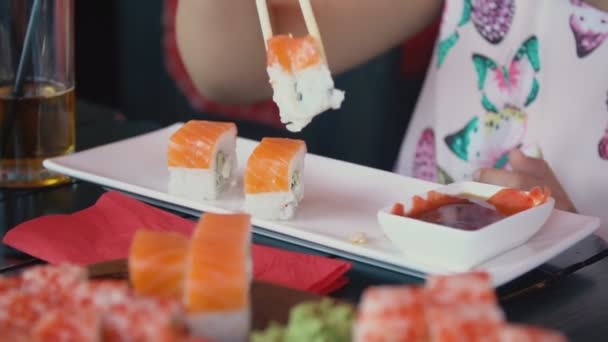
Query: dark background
x,y
120,64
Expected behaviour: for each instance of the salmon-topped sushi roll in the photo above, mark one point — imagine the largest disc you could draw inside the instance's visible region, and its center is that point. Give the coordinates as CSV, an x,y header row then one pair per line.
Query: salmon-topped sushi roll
x,y
218,277
202,159
302,84
273,178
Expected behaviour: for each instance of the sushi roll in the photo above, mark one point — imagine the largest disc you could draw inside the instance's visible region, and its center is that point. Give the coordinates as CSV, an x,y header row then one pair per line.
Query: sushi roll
x,y
66,324
273,178
471,288
301,81
57,279
59,303
463,306
202,159
391,313
218,277
142,319
464,322
152,251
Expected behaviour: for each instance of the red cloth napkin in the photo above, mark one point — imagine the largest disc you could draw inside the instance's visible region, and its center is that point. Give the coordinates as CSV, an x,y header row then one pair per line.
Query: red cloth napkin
x,y
104,231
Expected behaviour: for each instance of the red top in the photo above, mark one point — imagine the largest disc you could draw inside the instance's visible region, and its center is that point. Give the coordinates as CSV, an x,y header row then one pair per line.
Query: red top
x,y
419,50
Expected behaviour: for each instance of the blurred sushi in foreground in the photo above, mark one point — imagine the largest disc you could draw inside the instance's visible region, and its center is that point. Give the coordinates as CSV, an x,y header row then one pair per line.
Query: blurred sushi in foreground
x,y
300,78
273,178
218,277
391,313
59,303
209,274
459,307
202,159
157,262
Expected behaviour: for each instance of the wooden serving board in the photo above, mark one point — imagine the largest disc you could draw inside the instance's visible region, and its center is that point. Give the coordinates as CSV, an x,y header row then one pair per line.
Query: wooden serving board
x,y
269,302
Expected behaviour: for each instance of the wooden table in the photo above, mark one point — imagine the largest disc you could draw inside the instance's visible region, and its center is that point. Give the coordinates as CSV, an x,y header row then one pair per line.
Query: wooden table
x,y
570,293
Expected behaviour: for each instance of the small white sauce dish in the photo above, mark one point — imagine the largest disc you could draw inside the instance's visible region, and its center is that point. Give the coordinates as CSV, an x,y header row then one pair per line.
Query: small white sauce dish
x,y
457,250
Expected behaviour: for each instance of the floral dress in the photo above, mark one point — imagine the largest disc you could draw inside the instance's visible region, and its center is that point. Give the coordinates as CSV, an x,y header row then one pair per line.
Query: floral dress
x,y
512,74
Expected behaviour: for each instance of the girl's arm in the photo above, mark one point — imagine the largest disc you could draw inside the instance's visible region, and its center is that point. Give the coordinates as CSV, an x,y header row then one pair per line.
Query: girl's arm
x,y
221,43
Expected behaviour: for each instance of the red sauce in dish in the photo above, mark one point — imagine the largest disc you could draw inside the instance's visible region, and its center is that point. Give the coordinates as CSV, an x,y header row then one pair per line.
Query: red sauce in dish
x,y
466,216
464,211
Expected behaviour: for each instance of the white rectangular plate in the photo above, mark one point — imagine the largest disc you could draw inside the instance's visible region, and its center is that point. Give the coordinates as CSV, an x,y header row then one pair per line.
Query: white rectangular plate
x,y
341,200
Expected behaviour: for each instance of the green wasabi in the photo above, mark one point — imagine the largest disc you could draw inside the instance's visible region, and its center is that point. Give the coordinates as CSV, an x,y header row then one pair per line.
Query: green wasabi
x,y
323,321
273,333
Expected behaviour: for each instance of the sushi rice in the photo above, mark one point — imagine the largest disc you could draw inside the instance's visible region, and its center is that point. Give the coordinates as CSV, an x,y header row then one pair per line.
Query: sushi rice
x,y
304,94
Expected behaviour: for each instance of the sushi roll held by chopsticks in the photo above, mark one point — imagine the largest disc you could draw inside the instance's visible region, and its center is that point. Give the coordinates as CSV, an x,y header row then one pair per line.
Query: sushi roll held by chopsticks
x,y
202,159
299,75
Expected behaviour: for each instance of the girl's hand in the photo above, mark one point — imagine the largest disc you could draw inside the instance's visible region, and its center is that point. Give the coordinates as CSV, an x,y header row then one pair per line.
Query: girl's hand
x,y
527,173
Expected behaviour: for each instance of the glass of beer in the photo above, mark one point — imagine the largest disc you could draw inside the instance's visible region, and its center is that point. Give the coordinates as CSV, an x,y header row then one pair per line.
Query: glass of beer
x,y
37,99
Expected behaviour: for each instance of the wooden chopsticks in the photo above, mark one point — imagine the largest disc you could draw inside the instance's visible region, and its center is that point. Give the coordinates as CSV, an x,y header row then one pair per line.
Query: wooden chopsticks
x,y
309,20
311,25
264,17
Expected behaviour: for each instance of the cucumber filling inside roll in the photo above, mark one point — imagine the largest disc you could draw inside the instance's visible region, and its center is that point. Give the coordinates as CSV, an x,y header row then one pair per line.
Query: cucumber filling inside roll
x,y
223,169
296,186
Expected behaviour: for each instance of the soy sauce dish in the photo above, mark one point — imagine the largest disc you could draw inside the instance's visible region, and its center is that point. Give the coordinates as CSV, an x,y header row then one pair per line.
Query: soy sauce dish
x,y
462,225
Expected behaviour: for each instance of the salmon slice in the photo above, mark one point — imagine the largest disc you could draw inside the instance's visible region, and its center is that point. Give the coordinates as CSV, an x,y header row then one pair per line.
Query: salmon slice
x,y
512,201
268,168
157,262
193,144
420,205
217,273
293,54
